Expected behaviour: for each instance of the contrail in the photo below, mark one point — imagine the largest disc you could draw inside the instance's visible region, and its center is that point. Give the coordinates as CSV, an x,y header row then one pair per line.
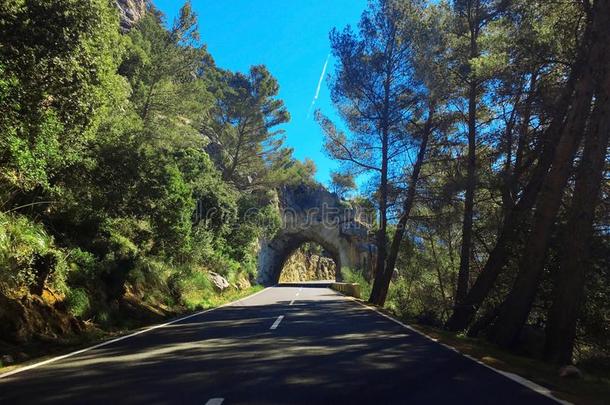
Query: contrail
x,y
315,98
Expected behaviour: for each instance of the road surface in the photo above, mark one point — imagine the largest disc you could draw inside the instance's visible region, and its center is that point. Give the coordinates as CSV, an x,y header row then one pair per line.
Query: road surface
x,y
287,345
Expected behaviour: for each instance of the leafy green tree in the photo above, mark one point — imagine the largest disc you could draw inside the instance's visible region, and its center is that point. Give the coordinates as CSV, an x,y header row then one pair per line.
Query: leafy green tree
x,y
244,126
342,183
58,60
375,92
166,69
517,305
472,19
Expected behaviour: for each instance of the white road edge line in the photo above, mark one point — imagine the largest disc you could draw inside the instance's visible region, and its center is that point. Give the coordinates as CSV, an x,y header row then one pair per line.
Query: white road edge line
x,y
109,342
514,377
215,401
277,322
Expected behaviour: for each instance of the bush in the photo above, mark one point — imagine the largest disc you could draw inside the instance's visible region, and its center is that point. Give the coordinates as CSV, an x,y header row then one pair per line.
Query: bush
x,y
77,302
28,256
417,300
352,276
194,288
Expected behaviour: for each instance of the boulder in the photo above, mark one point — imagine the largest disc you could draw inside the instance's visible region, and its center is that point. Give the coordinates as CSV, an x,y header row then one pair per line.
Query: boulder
x,y
570,372
395,274
21,356
219,282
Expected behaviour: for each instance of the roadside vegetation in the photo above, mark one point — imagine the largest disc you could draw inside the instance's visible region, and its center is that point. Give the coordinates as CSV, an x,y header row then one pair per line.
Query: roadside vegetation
x,y
137,178
128,162
479,132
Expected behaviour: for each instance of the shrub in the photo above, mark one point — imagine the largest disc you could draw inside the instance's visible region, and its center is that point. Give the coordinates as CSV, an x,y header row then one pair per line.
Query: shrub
x,y
28,256
194,288
352,276
77,302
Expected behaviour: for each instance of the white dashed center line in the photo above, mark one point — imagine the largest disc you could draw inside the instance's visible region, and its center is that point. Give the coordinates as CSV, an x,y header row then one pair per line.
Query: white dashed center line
x,y
277,322
215,401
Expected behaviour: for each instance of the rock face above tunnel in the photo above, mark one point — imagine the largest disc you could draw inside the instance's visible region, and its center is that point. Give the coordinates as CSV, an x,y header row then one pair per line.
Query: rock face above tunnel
x,y
131,12
310,213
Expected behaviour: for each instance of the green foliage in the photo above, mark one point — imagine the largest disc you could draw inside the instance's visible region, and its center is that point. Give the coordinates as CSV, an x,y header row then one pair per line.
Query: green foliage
x,y
61,79
244,126
354,276
23,244
20,241
77,301
342,183
195,289
109,187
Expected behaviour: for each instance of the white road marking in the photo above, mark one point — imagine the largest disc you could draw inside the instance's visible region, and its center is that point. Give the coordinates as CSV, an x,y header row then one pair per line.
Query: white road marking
x,y
514,377
295,297
97,346
215,401
277,322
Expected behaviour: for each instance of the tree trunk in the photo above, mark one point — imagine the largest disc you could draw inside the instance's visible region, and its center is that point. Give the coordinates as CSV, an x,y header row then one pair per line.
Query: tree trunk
x,y
464,313
383,221
508,171
570,282
518,303
383,280
483,322
439,275
376,291
43,266
471,181
526,117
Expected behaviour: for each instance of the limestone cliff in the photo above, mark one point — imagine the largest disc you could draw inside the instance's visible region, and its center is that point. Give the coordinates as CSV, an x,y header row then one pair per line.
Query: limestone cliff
x,y
131,11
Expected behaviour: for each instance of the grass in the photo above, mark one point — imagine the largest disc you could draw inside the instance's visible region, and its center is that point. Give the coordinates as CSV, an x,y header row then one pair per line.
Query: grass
x,y
217,300
40,351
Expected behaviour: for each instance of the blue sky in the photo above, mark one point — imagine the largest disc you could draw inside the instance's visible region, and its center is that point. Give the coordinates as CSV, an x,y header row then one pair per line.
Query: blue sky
x,y
290,37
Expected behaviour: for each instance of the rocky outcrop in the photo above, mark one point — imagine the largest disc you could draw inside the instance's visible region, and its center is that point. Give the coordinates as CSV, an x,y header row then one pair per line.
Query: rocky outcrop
x,y
305,266
243,283
131,12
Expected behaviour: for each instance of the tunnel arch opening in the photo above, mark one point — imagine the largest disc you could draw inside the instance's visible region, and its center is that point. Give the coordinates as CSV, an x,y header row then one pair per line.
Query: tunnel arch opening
x,y
279,250
311,214
310,261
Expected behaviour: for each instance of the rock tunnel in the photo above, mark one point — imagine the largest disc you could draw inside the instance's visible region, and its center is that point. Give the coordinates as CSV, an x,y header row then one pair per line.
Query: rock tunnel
x,y
313,214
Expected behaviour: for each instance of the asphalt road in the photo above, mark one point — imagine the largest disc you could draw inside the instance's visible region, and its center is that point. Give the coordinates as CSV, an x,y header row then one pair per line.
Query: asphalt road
x,y
287,345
